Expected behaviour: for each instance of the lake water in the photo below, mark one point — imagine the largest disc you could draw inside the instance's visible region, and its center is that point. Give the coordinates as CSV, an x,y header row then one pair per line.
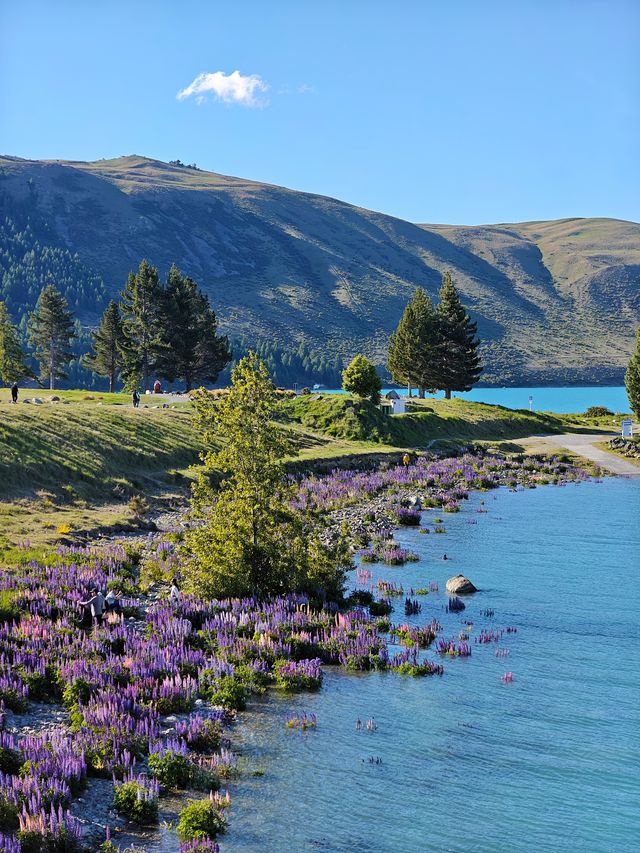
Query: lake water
x,y
546,763
545,399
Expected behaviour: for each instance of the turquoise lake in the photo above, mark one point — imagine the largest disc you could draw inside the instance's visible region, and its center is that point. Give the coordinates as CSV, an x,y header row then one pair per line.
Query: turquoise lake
x,y
469,763
546,399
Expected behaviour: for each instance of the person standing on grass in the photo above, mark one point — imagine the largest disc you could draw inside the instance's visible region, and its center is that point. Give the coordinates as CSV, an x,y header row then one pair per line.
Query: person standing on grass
x,y
96,606
136,398
14,392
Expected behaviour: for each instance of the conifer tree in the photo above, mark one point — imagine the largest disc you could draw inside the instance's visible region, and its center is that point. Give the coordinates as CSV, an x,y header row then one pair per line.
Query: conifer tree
x,y
192,351
108,340
13,360
51,332
252,541
141,307
458,361
632,378
425,343
413,347
399,359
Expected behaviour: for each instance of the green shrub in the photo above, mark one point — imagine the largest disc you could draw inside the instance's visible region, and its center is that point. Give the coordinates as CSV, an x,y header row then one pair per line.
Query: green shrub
x,y
225,691
76,692
201,819
132,800
380,608
598,412
10,761
171,769
8,815
9,610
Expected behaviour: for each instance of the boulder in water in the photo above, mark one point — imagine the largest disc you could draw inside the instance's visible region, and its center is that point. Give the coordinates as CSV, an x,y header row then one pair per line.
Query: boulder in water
x,y
459,585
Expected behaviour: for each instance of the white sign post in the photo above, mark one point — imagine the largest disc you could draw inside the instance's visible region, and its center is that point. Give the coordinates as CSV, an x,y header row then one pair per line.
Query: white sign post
x,y
530,403
627,429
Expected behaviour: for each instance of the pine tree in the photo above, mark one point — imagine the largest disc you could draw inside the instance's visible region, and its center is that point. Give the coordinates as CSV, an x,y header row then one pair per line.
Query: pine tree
x,y
632,378
458,362
108,340
399,357
142,304
51,332
192,351
13,361
424,350
414,345
252,541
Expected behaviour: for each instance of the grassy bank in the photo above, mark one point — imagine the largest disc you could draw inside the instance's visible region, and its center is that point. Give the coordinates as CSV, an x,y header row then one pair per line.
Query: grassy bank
x,y
91,450
73,465
429,421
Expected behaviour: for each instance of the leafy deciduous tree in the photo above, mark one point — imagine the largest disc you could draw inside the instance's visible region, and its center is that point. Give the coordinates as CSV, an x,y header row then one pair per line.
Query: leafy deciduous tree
x,y
51,332
360,377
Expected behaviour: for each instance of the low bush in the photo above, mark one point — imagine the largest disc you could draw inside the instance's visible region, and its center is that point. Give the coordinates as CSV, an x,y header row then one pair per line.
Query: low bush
x,y
201,819
137,800
171,768
598,412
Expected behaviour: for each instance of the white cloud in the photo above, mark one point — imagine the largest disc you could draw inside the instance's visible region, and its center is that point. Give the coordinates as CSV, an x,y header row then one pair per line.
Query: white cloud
x,y
232,88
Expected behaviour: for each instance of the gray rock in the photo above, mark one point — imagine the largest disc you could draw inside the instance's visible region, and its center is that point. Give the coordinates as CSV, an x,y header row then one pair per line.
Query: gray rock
x,y
459,585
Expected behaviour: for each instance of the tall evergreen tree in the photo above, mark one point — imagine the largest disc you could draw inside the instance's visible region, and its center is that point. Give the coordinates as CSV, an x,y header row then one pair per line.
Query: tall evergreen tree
x,y
425,343
192,351
142,304
108,340
458,362
400,343
13,360
632,378
413,347
51,332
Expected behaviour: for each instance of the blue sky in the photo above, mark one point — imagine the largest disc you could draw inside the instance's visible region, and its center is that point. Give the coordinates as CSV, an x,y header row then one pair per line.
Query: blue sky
x,y
461,111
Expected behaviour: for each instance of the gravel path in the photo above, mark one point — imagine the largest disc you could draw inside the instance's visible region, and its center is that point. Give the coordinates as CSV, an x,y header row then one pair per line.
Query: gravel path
x,y
584,445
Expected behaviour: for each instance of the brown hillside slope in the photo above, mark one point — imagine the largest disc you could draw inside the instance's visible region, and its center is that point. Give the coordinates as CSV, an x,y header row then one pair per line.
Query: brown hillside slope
x,y
555,301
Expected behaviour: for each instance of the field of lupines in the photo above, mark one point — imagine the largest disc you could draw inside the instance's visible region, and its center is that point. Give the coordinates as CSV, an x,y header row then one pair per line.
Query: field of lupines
x,y
149,696
446,481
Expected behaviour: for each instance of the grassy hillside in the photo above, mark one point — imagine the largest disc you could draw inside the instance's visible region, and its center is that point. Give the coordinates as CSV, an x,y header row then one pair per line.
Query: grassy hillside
x,y
71,468
431,421
91,448
555,301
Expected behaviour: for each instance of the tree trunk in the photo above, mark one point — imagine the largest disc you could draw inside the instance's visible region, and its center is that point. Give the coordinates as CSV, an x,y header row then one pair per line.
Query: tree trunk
x,y
145,372
421,392
409,389
112,382
447,393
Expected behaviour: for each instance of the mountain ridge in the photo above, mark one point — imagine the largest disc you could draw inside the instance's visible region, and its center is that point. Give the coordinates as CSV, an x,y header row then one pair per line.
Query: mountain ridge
x,y
556,301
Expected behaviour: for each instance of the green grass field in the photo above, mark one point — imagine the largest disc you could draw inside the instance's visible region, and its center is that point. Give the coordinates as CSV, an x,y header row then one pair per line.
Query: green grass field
x,y
75,465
